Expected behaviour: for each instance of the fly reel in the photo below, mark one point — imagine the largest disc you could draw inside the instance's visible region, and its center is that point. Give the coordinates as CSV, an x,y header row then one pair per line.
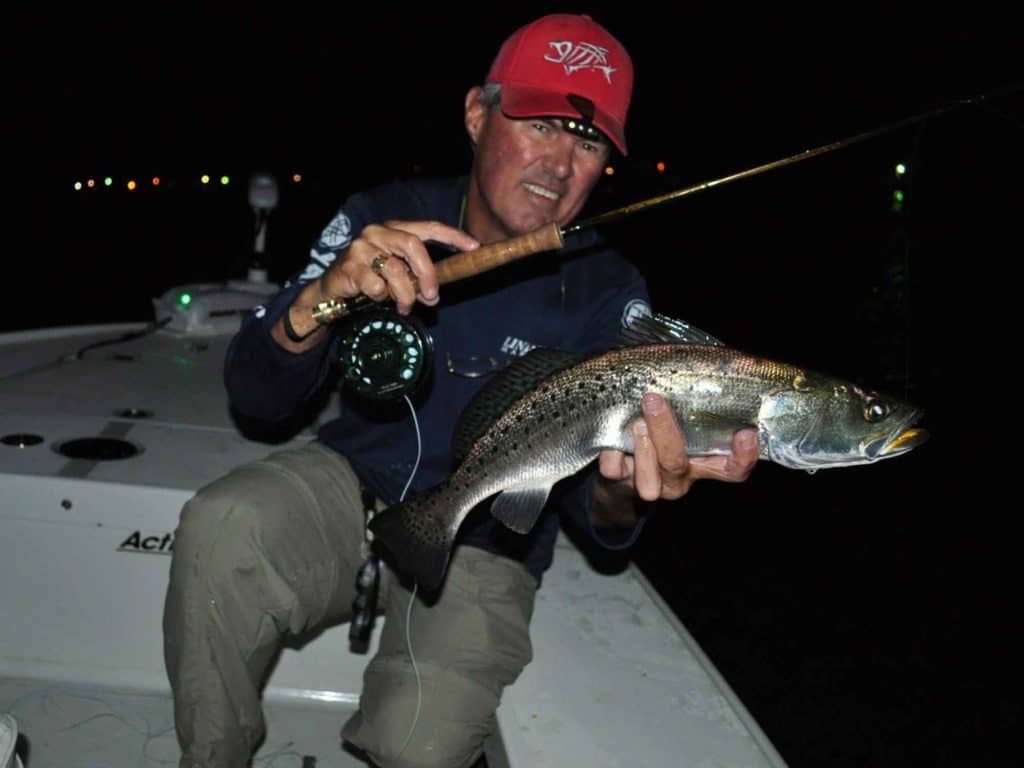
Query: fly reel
x,y
385,355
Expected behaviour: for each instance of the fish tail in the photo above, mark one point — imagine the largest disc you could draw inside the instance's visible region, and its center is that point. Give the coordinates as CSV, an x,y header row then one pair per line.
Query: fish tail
x,y
418,539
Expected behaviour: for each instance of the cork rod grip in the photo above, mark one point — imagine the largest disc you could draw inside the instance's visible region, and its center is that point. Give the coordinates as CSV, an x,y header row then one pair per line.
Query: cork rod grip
x,y
487,257
456,267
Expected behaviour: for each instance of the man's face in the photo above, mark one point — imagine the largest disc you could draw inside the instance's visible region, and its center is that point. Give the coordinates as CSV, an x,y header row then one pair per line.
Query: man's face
x,y
527,172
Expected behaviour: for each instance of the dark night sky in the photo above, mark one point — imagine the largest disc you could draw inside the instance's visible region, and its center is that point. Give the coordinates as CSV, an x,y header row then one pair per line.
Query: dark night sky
x,y
865,616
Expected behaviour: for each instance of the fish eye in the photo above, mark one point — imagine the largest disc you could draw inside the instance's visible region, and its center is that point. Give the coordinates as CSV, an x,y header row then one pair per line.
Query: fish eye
x,y
800,383
875,410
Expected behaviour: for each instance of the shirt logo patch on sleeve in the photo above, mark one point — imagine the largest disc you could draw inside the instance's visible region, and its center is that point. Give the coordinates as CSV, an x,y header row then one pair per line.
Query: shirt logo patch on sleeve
x,y
634,309
337,234
312,272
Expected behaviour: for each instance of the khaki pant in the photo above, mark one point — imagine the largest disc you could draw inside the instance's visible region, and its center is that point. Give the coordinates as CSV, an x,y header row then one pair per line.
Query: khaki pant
x,y
272,550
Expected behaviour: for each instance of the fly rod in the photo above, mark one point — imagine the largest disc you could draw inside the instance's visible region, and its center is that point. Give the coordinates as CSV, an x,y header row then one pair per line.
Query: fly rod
x,y
551,236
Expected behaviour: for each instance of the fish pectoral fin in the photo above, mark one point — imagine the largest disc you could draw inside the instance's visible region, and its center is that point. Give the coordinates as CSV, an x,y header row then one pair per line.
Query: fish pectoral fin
x,y
519,508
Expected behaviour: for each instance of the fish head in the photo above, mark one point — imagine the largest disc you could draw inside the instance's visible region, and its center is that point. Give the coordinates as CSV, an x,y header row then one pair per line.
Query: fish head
x,y
821,422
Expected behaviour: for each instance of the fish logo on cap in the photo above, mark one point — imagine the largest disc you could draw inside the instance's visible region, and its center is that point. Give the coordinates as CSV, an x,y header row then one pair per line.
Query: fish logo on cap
x,y
577,56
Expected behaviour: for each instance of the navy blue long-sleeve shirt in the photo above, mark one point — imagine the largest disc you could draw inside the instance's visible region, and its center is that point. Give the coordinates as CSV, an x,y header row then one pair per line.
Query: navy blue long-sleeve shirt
x,y
578,301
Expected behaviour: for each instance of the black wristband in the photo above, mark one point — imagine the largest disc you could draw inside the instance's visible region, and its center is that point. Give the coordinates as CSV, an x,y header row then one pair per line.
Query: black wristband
x,y
289,329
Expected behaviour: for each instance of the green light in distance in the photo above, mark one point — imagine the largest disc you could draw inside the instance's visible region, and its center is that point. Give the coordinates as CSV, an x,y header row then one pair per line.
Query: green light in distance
x,y
185,299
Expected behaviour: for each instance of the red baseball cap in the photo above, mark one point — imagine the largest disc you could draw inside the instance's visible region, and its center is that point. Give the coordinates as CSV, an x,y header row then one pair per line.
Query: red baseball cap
x,y
561,64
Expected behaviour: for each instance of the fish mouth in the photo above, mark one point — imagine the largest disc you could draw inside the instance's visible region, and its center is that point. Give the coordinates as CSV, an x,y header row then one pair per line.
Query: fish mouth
x,y
906,440
898,442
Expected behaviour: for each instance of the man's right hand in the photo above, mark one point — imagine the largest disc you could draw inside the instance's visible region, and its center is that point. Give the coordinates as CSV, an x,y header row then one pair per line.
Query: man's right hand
x,y
404,273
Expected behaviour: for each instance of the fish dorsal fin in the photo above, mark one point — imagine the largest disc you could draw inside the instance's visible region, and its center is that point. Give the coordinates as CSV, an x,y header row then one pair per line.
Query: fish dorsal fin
x,y
661,329
497,396
519,508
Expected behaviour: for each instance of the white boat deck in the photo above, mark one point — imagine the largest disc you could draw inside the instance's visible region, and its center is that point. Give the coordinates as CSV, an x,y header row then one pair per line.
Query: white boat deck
x,y
84,550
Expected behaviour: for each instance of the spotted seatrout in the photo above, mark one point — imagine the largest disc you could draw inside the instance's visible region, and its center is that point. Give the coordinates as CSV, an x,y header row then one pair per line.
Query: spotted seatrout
x,y
556,423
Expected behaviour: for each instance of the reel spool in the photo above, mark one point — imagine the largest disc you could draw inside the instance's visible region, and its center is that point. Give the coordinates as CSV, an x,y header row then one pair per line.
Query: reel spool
x,y
385,355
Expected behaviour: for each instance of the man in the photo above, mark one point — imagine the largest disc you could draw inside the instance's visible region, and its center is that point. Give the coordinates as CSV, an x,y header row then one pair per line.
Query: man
x,y
273,548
